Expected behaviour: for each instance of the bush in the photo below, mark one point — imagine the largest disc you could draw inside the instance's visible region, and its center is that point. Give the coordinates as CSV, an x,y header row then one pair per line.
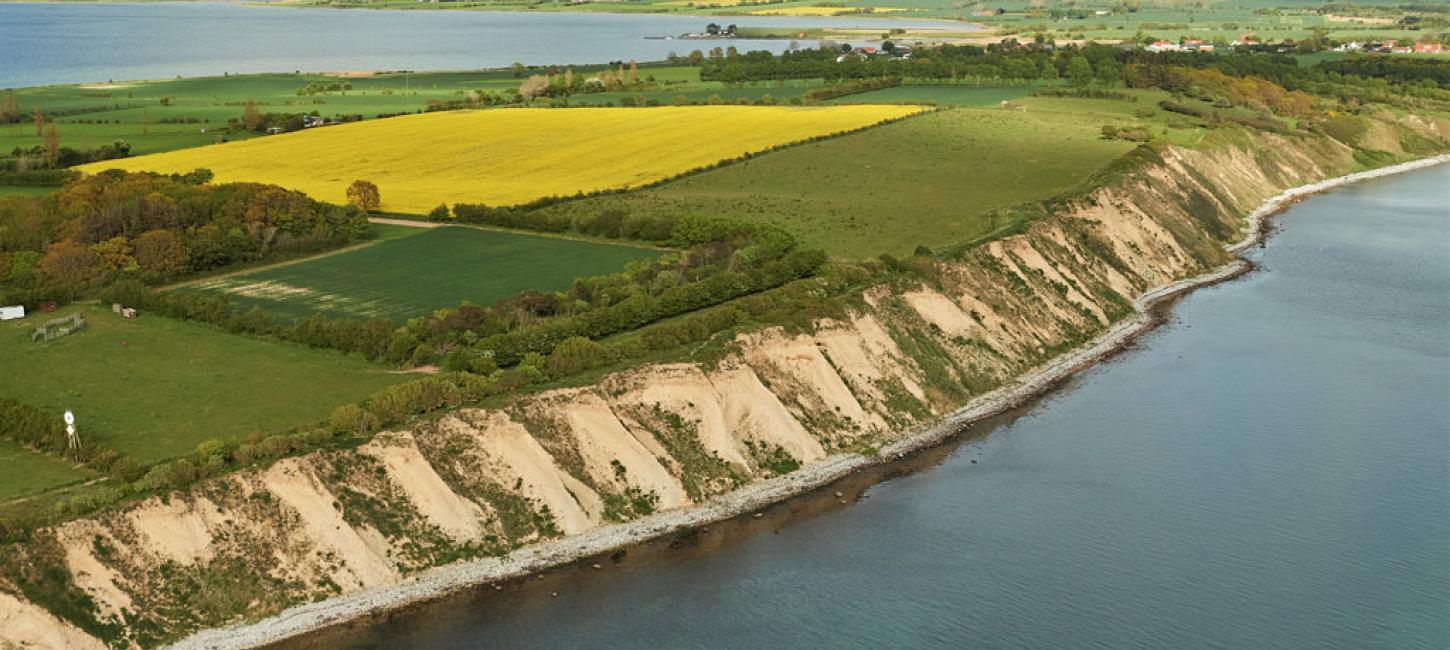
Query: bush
x,y
126,470
575,354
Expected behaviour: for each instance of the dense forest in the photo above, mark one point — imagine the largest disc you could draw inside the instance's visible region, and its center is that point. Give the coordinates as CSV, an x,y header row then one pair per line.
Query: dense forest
x,y
154,228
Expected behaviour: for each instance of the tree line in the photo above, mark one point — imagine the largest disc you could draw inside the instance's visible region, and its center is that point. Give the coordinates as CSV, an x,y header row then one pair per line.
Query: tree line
x,y
1369,77
154,228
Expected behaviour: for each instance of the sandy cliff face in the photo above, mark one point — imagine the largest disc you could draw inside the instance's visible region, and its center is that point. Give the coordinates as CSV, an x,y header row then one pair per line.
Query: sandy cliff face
x,y
666,436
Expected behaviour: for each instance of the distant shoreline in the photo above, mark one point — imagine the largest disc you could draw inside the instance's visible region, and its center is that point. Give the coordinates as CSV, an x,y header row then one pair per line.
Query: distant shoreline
x,y
442,581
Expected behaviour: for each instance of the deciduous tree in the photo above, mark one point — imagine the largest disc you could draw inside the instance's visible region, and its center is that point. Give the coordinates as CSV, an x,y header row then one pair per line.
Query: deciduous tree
x,y
161,255
533,87
251,117
52,146
364,194
1078,71
69,266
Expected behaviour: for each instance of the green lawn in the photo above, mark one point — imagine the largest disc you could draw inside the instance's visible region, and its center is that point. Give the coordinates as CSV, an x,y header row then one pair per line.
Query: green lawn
x,y
154,387
925,180
25,472
403,277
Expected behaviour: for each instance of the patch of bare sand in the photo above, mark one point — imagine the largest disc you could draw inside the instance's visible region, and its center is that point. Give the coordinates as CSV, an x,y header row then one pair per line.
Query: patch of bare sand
x,y
24,625
518,459
941,311
456,516
603,439
800,361
361,565
754,413
177,529
865,356
684,389
99,581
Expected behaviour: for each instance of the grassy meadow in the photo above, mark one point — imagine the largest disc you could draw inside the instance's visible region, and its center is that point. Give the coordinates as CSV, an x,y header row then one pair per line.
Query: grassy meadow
x,y
943,95
164,115
929,180
25,472
412,275
10,190
505,157
154,387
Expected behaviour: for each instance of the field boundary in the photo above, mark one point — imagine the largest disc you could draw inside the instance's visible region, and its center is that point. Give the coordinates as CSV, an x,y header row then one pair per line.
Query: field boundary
x,y
525,232
193,281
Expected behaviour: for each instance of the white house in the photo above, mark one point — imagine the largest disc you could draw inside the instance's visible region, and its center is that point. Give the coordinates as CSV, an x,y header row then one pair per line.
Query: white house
x,y
12,313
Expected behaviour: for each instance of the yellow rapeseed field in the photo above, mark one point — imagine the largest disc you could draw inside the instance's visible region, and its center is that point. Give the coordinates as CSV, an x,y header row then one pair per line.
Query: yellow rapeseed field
x,y
508,156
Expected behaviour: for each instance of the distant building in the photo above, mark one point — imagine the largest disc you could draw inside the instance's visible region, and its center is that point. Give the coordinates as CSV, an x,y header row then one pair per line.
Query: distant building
x,y
12,313
1428,48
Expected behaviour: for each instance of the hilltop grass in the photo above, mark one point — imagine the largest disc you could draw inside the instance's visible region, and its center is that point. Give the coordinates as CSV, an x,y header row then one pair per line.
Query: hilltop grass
x,y
929,180
154,387
507,157
402,277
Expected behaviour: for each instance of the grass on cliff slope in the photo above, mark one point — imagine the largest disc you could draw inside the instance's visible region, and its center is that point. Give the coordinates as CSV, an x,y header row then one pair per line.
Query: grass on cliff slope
x,y
155,387
929,180
409,276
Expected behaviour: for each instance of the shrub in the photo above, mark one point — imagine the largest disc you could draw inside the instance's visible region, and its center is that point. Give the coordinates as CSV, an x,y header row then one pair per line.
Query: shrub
x,y
125,470
575,354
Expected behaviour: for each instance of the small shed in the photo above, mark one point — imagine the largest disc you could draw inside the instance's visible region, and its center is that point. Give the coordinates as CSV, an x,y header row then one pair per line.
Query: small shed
x,y
12,313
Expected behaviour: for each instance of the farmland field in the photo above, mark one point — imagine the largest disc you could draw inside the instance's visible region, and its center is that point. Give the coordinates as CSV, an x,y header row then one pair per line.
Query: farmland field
x,y
127,379
157,116
928,180
510,156
412,275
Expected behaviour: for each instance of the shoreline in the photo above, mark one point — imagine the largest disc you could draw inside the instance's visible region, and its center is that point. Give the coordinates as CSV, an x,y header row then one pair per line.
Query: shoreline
x,y
442,581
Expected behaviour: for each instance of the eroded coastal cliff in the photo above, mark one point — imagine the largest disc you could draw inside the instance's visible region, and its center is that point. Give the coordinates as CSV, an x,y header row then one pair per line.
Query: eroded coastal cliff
x,y
670,436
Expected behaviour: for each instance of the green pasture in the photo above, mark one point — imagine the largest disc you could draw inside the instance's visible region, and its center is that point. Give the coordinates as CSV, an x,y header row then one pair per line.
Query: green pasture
x,y
25,472
402,277
156,116
928,180
11,190
975,96
155,387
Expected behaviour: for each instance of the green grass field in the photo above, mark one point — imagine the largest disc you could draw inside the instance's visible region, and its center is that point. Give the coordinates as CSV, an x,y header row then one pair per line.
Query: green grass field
x,y
10,190
403,277
155,116
974,96
926,180
155,387
25,472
